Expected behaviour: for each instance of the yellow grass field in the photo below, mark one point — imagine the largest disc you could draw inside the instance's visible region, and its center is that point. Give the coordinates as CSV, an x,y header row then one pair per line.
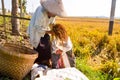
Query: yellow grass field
x,y
93,46
97,53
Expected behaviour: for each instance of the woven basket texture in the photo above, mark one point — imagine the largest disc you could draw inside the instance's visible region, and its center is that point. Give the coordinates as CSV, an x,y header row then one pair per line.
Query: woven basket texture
x,y
16,60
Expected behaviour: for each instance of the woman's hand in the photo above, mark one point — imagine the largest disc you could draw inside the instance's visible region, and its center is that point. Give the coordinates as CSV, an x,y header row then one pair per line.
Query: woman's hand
x,y
59,51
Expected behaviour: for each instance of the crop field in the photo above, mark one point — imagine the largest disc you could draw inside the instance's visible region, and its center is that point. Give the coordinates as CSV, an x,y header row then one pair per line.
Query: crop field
x,y
97,53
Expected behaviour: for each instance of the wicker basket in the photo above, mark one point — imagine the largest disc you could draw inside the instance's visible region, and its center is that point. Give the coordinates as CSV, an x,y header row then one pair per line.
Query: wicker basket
x,y
16,60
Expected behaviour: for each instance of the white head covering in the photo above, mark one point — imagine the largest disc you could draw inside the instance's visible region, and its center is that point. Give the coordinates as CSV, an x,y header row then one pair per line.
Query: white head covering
x,y
54,6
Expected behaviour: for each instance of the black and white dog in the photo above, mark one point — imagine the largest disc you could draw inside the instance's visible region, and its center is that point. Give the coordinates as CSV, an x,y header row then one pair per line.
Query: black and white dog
x,y
38,70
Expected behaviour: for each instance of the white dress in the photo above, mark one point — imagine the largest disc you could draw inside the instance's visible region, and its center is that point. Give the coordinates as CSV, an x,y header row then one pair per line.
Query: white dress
x,y
65,47
38,25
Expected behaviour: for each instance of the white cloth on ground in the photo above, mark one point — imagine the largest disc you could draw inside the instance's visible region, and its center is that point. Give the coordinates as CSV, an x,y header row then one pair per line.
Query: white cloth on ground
x,y
63,74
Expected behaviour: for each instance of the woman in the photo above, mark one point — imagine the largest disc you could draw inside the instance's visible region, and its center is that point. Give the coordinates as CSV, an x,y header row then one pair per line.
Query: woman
x,y
62,55
39,24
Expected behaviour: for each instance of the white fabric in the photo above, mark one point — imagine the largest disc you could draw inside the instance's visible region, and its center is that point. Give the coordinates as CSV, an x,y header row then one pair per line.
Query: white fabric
x,y
57,44
65,60
63,74
38,25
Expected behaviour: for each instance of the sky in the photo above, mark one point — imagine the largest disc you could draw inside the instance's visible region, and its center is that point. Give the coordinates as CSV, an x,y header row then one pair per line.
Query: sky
x,y
78,8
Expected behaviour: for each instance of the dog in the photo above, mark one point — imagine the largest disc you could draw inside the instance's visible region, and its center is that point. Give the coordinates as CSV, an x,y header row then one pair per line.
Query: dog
x,y
38,70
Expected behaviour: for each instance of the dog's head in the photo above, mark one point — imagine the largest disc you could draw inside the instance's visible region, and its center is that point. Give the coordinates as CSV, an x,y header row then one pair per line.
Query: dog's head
x,y
37,71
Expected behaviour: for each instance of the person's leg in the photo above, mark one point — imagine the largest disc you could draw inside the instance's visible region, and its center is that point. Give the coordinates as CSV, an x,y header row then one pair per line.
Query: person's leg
x,y
71,58
54,59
